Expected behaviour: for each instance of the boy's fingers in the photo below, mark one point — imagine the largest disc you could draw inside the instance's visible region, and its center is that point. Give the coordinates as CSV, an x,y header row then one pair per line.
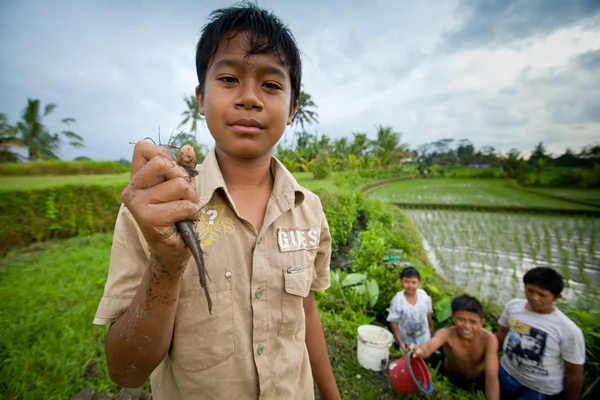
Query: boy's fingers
x,y
187,156
143,152
165,214
171,190
155,171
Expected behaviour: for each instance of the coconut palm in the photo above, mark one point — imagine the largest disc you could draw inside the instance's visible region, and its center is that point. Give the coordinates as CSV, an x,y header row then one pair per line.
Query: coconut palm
x,y
34,135
305,113
191,114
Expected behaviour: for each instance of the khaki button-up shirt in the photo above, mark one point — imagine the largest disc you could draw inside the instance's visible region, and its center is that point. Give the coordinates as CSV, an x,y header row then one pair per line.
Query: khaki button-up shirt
x,y
252,346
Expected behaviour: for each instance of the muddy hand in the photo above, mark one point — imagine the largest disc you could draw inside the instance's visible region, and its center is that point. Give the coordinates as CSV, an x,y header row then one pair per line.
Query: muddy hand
x,y
160,194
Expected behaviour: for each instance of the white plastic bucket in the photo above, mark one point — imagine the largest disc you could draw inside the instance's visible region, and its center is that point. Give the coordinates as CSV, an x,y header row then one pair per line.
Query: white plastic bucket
x,y
373,349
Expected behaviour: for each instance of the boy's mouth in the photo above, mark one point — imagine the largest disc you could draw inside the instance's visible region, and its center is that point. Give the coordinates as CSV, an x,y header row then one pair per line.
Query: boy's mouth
x,y
247,125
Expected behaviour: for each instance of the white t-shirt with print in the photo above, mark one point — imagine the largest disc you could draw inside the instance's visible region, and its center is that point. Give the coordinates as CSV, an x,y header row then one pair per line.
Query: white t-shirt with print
x,y
411,318
537,345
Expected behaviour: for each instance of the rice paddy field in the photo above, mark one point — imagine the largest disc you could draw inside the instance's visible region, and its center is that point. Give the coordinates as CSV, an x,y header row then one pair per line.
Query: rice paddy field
x,y
487,253
479,192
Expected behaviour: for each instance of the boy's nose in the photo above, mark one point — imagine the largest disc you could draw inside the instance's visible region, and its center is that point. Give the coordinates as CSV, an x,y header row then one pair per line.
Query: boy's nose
x,y
249,98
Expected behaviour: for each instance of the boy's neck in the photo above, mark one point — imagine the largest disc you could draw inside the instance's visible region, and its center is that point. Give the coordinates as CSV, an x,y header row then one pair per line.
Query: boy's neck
x,y
244,173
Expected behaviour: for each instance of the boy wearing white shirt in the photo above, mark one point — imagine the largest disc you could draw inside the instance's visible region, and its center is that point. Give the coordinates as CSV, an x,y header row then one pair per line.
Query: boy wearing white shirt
x,y
410,311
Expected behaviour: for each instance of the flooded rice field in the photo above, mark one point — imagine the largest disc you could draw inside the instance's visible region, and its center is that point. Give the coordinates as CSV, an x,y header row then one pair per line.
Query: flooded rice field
x,y
488,253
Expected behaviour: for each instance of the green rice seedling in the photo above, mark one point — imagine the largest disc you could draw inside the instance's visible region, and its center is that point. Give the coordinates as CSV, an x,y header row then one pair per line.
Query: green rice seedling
x,y
565,265
583,276
592,245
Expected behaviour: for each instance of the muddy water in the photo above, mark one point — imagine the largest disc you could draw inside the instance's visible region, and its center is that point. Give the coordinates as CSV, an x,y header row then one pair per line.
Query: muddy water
x,y
488,253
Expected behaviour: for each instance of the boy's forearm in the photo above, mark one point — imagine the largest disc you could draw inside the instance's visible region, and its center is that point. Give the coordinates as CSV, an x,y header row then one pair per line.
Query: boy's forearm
x,y
317,352
573,385
140,339
492,387
396,332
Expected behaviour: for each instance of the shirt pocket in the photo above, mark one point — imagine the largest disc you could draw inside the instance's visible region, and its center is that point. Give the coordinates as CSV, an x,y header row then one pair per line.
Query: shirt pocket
x,y
201,340
297,281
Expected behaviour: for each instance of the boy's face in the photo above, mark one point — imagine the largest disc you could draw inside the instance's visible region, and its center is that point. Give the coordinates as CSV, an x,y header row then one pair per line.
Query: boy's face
x,y
410,284
246,100
540,300
468,323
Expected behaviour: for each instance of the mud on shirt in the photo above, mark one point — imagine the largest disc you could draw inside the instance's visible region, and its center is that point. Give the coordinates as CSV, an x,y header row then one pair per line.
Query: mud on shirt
x,y
537,345
412,318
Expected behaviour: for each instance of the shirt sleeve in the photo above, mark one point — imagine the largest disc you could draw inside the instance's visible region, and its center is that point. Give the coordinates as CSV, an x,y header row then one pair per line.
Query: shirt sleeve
x,y
428,304
128,264
395,310
323,258
505,315
573,346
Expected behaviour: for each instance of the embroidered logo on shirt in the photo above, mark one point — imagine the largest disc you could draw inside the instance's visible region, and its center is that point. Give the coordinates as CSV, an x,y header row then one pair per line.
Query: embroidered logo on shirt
x,y
296,239
211,226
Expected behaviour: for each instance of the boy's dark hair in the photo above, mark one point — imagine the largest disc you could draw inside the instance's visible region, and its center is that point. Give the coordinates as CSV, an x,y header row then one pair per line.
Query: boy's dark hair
x,y
410,272
546,278
467,303
266,33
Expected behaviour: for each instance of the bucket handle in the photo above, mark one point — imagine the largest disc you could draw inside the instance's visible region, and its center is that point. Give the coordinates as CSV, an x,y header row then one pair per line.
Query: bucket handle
x,y
418,383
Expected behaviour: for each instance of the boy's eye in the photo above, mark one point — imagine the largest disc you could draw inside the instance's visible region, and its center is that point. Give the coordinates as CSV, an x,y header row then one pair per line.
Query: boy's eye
x,y
272,86
227,79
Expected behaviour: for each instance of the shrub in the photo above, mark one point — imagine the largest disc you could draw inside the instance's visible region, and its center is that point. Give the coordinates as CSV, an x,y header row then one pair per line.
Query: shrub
x,y
58,212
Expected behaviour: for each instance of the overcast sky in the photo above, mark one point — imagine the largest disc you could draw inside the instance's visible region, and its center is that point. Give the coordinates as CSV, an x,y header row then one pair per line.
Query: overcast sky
x,y
501,73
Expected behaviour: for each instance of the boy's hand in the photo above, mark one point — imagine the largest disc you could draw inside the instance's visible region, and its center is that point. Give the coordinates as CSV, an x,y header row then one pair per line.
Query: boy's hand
x,y
418,352
403,348
159,194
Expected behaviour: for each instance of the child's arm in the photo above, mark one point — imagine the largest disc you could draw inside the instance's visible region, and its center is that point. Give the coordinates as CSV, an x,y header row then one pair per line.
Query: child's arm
x,y
317,351
500,335
492,384
438,340
430,320
573,380
396,332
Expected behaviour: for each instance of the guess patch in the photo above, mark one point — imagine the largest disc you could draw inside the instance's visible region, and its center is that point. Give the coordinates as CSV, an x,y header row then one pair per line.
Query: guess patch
x,y
296,239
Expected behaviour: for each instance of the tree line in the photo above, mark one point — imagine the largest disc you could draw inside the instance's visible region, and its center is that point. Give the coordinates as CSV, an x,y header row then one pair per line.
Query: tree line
x,y
306,151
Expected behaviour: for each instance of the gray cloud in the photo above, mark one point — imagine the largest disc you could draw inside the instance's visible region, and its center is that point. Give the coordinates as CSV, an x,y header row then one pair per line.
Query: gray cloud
x,y
495,23
121,69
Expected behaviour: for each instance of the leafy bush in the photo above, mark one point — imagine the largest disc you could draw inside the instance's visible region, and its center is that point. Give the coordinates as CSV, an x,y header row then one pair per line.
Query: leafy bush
x,y
342,212
322,166
58,212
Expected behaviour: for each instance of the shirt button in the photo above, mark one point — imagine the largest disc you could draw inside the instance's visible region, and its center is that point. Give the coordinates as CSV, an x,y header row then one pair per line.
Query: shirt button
x,y
258,294
260,240
260,349
228,274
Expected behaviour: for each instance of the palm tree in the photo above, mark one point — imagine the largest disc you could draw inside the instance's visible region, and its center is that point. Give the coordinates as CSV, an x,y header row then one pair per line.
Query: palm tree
x,y
191,114
34,136
387,145
305,113
360,143
8,141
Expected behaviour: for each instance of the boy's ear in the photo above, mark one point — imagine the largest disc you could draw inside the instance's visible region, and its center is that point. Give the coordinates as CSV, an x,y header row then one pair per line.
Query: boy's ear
x,y
560,296
200,100
293,110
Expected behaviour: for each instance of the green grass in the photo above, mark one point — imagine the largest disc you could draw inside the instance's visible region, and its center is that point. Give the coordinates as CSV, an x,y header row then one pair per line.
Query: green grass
x,y
587,195
475,192
41,182
8,183
49,295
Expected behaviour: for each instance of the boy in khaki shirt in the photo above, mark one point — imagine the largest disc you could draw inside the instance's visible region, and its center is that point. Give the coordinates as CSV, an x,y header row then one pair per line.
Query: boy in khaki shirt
x,y
265,239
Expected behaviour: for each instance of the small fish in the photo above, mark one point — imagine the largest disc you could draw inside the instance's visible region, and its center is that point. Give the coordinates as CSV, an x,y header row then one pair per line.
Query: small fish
x,y
188,233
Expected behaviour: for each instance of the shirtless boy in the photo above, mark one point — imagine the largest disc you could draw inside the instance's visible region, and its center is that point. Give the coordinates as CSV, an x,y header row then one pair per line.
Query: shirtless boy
x,y
471,361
